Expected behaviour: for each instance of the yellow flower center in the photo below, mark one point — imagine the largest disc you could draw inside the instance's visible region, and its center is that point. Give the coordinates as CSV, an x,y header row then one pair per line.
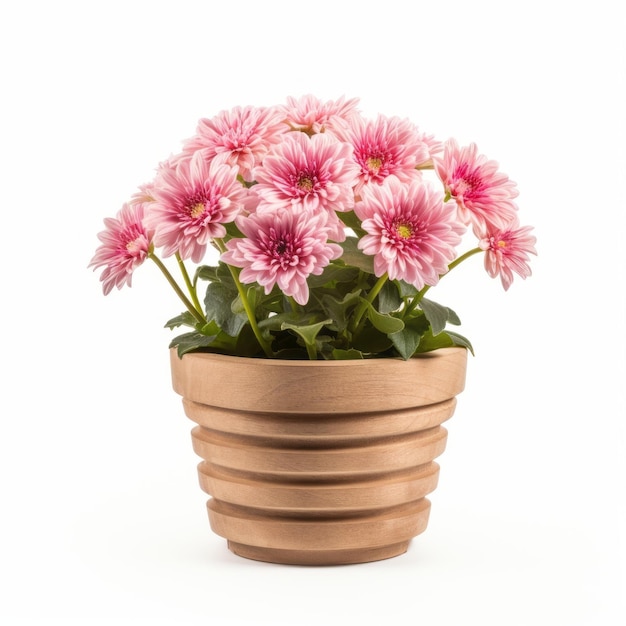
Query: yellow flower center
x,y
404,230
305,183
374,164
196,209
501,244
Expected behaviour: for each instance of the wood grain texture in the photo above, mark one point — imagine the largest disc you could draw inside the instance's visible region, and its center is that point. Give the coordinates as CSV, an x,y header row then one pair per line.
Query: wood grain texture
x,y
319,463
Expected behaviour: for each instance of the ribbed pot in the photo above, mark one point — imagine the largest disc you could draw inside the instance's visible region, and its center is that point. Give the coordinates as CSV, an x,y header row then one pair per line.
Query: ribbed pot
x,y
319,462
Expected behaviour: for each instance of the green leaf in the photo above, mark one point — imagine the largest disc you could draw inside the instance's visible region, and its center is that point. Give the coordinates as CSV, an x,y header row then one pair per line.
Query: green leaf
x,y
184,319
436,314
251,295
339,310
350,219
275,322
333,273
291,354
224,275
247,343
206,272
453,318
233,231
265,304
459,340
355,257
381,321
211,329
371,341
220,307
389,299
190,342
430,342
406,341
308,332
345,355
406,290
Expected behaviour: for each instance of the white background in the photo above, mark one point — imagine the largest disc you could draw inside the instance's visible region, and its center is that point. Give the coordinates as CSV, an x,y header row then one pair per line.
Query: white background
x,y
101,518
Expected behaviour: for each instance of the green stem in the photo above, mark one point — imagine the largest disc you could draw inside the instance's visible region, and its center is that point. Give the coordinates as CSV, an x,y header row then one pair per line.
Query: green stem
x,y
311,351
420,294
428,165
179,292
190,286
295,307
234,272
463,257
371,296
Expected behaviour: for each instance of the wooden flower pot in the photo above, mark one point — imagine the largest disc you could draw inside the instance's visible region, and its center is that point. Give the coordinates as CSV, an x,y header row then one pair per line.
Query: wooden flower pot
x,y
319,462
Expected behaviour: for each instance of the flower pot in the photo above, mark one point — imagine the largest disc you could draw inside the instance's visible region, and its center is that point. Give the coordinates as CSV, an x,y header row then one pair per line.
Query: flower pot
x,y
319,462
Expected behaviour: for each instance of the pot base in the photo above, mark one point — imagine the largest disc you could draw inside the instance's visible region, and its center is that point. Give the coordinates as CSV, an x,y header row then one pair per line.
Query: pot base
x,y
318,557
319,540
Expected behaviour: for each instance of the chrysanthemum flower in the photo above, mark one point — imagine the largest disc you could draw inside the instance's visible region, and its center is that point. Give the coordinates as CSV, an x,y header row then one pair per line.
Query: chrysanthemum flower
x,y
192,202
433,146
483,194
309,174
282,247
411,232
126,243
385,147
310,115
243,135
507,250
143,194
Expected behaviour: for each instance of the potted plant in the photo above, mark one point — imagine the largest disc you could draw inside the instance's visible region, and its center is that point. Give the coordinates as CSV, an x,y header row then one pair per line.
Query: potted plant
x,y
316,369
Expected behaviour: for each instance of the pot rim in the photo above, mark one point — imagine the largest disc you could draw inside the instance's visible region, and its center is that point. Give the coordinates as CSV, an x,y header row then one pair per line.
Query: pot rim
x,y
439,353
296,387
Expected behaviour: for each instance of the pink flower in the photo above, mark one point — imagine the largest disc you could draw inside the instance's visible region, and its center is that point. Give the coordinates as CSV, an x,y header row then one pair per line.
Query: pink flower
x,y
483,195
507,250
309,174
311,115
410,231
192,202
126,243
282,247
142,195
243,135
385,147
433,148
